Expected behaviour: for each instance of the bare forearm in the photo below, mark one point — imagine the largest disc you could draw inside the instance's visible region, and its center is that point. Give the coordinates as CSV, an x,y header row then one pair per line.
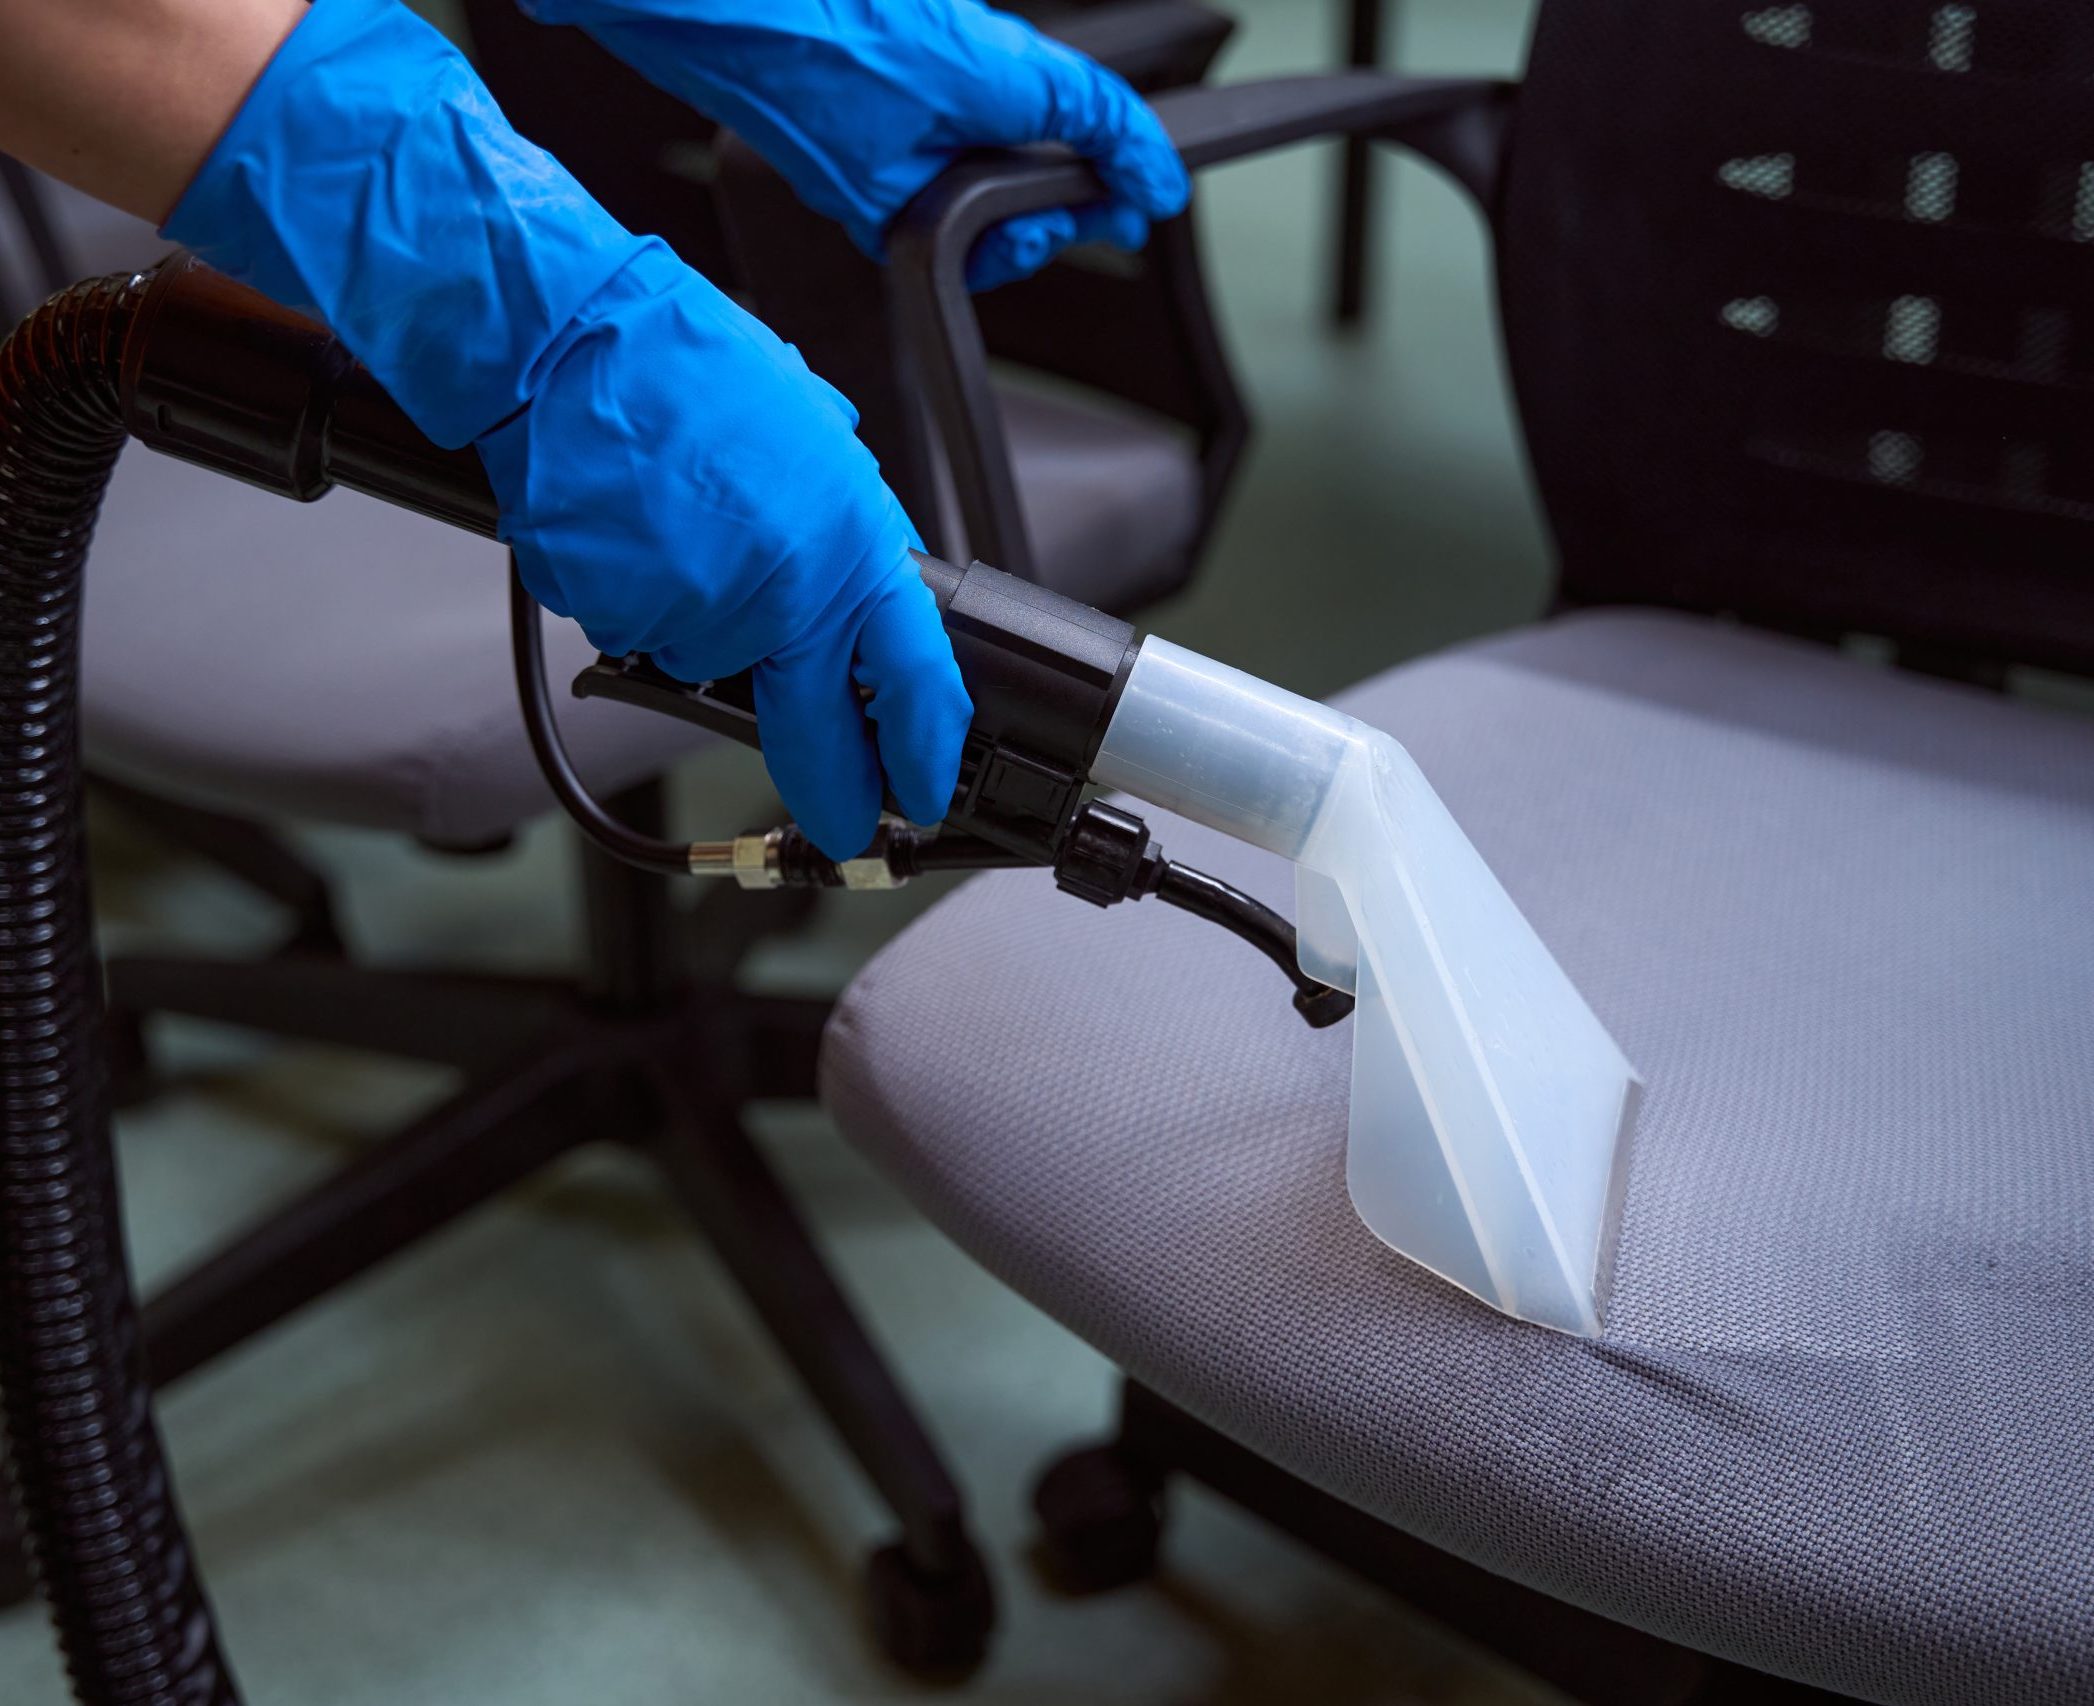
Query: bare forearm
x,y
124,98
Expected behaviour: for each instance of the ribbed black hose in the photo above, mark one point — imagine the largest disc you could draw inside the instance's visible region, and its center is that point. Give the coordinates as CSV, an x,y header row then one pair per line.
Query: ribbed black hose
x,y
89,1474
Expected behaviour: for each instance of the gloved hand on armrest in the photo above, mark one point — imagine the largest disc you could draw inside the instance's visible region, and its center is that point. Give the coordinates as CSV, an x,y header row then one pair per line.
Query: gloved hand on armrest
x,y
669,473
861,103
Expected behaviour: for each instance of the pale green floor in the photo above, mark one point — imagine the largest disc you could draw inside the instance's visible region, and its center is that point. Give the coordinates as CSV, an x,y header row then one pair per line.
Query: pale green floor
x,y
546,1458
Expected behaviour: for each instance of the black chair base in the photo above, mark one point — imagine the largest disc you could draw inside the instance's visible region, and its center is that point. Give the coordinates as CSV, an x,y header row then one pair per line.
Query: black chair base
x,y
1102,1516
652,1048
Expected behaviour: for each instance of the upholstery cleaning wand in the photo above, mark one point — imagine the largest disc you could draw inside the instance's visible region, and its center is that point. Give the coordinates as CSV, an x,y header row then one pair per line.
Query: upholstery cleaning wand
x,y
1489,1105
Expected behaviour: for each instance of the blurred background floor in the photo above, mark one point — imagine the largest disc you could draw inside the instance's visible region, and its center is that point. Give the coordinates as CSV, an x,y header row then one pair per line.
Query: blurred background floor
x,y
546,1458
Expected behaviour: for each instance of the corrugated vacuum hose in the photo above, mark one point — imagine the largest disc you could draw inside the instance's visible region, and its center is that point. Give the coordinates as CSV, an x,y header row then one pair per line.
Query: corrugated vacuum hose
x,y
88,1470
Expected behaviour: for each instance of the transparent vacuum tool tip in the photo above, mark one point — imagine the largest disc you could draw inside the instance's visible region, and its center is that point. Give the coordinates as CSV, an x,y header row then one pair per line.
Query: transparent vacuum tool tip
x,y
1490,1109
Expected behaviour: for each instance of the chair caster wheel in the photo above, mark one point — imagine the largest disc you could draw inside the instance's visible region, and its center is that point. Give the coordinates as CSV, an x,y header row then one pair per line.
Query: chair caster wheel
x,y
934,1626
1101,1521
131,1076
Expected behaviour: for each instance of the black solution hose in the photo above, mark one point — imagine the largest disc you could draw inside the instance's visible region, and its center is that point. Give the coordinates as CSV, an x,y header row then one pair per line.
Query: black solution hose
x,y
89,1474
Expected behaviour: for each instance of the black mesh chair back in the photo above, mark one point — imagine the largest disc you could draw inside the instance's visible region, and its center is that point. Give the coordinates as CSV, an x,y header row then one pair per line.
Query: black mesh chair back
x,y
1799,302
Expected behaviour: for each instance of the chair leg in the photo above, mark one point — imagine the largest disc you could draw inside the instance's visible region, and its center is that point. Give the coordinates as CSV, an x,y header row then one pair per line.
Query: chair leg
x,y
1366,30
497,1131
453,1021
932,1605
256,855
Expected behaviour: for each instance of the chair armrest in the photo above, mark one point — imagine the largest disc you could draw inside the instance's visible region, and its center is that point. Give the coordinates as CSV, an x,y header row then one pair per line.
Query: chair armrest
x,y
1456,122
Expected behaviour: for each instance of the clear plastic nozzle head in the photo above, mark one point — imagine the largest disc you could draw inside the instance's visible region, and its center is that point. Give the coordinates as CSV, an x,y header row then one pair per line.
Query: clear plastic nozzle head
x,y
1490,1108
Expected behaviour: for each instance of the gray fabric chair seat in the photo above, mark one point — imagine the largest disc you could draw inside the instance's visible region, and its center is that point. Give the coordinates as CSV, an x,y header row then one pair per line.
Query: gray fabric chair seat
x,y
1841,1425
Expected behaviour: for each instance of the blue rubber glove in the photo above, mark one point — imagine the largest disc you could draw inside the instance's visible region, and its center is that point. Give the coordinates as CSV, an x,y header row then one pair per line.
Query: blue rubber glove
x,y
669,474
860,103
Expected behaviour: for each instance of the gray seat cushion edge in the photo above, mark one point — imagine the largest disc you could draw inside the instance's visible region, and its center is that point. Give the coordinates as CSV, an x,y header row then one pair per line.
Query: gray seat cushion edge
x,y
1838,1426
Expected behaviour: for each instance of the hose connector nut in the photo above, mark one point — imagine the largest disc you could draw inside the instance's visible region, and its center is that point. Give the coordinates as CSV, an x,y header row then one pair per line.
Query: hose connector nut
x,y
757,864
874,868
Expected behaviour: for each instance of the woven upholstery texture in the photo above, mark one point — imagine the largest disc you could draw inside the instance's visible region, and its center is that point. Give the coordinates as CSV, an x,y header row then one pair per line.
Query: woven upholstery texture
x,y
1839,1426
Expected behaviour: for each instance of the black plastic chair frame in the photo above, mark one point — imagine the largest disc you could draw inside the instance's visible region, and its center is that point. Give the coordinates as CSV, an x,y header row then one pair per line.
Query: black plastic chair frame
x,y
1458,123
1368,26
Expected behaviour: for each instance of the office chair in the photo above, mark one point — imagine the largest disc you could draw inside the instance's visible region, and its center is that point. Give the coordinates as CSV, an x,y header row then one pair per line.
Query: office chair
x,y
1795,304
380,694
